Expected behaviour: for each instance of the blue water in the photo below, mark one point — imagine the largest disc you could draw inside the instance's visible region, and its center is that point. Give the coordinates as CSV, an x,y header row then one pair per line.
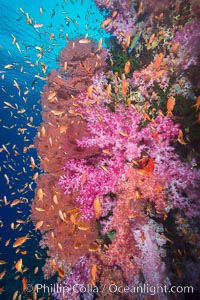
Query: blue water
x,y
18,40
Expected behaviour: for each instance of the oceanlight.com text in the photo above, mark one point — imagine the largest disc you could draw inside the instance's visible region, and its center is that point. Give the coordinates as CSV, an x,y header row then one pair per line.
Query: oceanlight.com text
x,y
113,288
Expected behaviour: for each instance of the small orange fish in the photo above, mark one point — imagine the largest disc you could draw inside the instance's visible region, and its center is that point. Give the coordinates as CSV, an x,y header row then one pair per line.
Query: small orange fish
x,y
35,176
180,137
20,241
108,90
158,74
32,165
89,91
99,47
38,25
2,274
151,39
132,215
39,209
93,274
157,61
105,169
63,128
9,66
52,35
174,47
170,105
2,262
1,290
24,284
83,227
60,246
124,85
94,247
40,194
179,252
73,219
127,67
197,105
170,241
180,82
106,151
140,9
159,188
15,202
84,41
97,207
38,225
143,238
15,294
179,272
114,14
126,42
123,133
61,273
106,22
78,245
7,242
19,265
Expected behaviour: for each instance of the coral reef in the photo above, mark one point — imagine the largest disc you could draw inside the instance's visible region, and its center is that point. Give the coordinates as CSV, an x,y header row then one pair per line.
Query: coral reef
x,y
111,146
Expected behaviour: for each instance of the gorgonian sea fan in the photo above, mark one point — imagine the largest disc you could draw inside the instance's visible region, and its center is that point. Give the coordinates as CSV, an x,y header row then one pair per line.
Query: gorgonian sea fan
x,y
123,143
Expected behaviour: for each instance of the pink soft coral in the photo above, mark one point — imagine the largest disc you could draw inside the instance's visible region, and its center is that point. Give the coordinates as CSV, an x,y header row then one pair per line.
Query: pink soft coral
x,y
123,147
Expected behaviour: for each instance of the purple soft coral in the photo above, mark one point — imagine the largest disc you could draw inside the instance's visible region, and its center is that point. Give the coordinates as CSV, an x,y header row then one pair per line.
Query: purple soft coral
x,y
189,40
121,141
124,18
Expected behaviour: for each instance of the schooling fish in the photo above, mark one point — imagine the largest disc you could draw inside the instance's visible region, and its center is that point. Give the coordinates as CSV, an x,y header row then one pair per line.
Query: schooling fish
x,y
134,41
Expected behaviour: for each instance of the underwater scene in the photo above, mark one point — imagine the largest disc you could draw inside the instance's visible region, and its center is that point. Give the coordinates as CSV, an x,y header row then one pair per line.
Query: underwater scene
x,y
100,150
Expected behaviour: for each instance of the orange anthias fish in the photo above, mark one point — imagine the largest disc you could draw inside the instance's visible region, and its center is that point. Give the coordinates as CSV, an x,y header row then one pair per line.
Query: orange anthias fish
x,y
174,47
108,90
140,9
127,67
170,105
61,272
20,241
151,39
97,207
90,90
157,61
197,104
93,274
124,85
106,22
19,265
180,137
24,284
